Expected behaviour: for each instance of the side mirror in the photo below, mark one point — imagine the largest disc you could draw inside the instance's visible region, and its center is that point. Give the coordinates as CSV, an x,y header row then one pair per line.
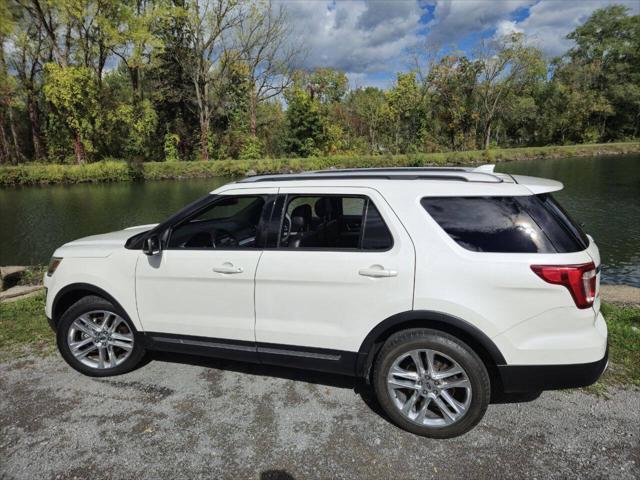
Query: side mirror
x,y
152,245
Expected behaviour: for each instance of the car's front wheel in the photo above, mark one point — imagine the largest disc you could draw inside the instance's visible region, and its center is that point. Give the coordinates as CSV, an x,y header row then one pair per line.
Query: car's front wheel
x,y
98,339
430,383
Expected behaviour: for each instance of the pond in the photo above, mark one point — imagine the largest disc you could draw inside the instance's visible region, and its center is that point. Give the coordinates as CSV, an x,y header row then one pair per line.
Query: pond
x,y
603,193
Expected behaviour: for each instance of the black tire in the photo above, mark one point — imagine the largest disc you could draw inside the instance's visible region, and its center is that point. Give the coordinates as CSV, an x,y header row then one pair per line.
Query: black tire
x,y
83,306
421,338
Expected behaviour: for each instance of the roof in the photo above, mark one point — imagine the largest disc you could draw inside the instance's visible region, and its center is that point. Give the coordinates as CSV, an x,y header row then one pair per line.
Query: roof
x,y
441,180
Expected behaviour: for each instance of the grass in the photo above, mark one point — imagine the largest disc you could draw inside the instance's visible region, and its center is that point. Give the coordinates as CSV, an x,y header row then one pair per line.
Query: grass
x,y
111,170
23,324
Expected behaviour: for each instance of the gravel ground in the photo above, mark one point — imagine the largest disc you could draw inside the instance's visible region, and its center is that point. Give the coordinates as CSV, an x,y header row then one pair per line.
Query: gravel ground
x,y
181,417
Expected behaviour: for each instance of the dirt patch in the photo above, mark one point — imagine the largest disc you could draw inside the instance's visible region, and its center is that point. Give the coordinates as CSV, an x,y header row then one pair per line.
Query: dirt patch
x,y
621,294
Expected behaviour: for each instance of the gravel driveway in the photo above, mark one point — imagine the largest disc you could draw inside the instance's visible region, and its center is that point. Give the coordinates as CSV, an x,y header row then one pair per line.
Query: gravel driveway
x,y
180,417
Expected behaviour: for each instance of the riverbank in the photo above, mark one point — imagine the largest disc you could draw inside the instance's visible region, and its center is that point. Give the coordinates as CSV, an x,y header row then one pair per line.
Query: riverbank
x,y
121,171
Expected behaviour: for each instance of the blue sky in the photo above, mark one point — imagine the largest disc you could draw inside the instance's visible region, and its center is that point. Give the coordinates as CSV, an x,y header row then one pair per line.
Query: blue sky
x,y
373,39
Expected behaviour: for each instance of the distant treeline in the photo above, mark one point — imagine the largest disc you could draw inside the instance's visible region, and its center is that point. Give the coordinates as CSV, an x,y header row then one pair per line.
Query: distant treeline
x,y
84,80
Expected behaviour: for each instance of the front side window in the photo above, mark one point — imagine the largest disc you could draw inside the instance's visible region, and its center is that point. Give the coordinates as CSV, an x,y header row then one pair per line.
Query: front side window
x,y
333,222
521,224
230,222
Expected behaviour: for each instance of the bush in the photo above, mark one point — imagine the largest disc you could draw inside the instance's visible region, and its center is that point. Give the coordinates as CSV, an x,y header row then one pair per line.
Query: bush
x,y
110,170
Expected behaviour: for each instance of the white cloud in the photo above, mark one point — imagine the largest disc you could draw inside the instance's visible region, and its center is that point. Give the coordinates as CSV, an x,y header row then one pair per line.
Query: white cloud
x,y
369,38
454,20
358,37
549,22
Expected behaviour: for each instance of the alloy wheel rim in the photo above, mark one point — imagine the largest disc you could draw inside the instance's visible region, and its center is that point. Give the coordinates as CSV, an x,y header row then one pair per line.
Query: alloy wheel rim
x,y
429,388
100,339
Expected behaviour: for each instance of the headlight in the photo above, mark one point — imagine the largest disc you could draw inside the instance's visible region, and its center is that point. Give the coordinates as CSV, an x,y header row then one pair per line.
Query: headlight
x,y
53,265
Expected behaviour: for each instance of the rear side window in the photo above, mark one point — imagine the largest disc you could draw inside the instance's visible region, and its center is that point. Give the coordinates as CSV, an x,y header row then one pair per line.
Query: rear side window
x,y
333,222
526,224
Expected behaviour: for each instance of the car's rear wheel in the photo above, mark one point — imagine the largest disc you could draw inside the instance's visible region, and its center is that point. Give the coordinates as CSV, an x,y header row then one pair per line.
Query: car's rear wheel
x,y
430,383
98,339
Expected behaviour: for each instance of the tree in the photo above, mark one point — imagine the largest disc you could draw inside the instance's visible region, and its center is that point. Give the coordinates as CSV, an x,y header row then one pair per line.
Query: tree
x,y
72,92
265,46
606,46
304,123
26,61
369,116
208,21
10,150
453,84
406,105
506,64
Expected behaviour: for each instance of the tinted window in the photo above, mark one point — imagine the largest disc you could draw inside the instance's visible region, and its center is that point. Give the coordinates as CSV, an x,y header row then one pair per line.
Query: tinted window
x,y
565,220
502,224
376,235
230,222
333,222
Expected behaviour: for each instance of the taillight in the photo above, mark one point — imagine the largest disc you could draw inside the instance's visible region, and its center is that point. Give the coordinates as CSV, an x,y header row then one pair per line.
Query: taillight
x,y
580,280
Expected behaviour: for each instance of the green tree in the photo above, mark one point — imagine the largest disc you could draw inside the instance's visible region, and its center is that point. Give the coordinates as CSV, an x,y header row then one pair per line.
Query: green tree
x,y
506,64
607,47
304,122
453,84
72,92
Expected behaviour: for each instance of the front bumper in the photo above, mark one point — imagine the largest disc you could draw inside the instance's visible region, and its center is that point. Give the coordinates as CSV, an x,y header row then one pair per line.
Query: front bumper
x,y
535,378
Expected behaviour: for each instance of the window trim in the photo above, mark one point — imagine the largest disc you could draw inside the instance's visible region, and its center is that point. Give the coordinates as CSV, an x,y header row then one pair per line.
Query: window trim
x,y
261,224
283,207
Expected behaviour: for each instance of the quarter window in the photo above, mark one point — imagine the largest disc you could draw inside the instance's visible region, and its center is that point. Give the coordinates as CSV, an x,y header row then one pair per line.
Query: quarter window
x,y
333,222
522,224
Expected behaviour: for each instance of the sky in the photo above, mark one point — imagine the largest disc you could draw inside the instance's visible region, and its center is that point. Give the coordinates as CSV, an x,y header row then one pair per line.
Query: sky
x,y
371,40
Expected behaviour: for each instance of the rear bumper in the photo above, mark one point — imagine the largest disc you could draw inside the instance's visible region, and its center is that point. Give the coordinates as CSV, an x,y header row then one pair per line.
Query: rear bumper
x,y
532,378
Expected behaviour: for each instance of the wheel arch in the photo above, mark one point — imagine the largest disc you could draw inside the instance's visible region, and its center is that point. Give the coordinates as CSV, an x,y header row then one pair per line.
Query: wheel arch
x,y
71,293
468,333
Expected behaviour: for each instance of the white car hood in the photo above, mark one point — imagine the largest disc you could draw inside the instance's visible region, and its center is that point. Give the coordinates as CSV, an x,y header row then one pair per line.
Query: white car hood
x,y
101,245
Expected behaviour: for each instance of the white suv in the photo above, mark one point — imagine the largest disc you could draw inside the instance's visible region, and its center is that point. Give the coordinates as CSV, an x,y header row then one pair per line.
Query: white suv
x,y
438,286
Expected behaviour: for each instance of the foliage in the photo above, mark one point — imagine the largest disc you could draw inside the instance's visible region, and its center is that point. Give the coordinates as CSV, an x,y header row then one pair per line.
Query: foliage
x,y
84,81
171,142
73,95
306,136
113,171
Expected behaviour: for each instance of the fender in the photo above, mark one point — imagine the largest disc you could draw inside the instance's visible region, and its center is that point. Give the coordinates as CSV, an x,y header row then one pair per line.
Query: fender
x,y
415,318
82,287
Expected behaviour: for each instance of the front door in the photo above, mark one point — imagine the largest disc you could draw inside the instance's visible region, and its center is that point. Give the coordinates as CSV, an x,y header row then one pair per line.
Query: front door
x,y
344,263
202,283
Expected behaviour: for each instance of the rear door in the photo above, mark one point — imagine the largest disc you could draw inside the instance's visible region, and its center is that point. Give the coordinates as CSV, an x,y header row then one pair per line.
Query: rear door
x,y
335,274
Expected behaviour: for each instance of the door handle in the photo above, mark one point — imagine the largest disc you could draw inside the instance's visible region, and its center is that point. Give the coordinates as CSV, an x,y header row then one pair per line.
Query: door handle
x,y
377,271
227,268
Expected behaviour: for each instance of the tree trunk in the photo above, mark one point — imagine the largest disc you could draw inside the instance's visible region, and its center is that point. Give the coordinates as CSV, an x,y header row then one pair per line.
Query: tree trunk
x,y
14,135
5,151
487,136
253,107
79,149
204,137
36,134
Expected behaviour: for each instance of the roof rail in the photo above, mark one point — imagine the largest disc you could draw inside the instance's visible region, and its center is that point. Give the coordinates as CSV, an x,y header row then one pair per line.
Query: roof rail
x,y
398,173
353,176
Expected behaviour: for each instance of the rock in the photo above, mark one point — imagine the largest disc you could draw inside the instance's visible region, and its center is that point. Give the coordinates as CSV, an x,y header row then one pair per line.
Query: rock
x,y
251,173
18,292
10,274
